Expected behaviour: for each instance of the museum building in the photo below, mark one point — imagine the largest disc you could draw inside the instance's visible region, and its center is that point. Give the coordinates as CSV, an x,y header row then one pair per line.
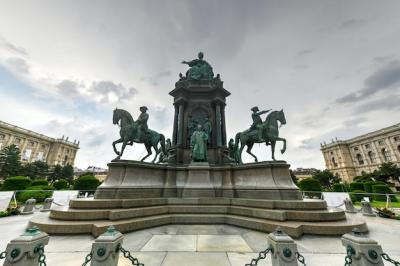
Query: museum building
x,y
365,153
38,147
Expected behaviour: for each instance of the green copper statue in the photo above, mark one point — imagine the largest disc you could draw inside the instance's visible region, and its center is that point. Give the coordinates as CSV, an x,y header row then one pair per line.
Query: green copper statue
x,y
198,145
199,69
138,132
262,132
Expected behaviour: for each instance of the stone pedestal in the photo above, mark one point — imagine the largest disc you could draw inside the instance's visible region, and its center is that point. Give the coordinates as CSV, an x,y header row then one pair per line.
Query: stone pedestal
x,y
198,182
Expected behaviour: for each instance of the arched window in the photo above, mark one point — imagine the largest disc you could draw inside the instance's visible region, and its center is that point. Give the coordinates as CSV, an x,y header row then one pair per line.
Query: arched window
x,y
372,157
386,155
334,162
360,159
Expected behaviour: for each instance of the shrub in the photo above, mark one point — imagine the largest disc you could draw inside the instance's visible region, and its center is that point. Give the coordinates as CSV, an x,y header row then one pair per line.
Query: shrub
x,y
339,187
16,183
368,185
39,182
86,182
358,196
40,193
383,189
310,184
61,184
356,186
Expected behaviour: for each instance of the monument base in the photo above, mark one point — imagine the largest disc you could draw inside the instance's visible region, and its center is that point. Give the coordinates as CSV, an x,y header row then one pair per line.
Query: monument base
x,y
264,180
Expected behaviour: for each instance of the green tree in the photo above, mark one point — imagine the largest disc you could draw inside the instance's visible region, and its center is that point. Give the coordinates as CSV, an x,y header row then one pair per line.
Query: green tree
x,y
56,173
387,171
294,177
37,169
10,164
67,172
326,178
86,183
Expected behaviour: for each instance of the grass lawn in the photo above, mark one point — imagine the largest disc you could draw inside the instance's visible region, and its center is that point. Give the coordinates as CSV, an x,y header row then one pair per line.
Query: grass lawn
x,y
380,204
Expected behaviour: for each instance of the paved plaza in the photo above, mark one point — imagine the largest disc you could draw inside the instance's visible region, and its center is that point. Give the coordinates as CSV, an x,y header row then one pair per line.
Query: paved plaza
x,y
201,245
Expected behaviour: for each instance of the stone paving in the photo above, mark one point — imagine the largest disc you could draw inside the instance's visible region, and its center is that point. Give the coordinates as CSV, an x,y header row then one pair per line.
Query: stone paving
x,y
203,245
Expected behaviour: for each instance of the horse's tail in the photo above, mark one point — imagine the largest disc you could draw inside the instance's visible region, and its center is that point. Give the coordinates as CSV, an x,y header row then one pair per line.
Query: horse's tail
x,y
162,141
237,139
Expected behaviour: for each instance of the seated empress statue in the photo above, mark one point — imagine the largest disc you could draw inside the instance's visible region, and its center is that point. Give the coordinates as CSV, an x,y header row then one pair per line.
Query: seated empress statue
x,y
199,68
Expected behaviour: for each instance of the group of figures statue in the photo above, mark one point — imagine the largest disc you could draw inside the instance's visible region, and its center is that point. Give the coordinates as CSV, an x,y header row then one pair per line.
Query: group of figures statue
x,y
260,131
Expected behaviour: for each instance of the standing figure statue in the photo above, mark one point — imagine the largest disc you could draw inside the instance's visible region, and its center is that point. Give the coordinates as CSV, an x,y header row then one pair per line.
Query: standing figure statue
x,y
199,68
233,151
257,121
265,132
198,145
164,156
137,131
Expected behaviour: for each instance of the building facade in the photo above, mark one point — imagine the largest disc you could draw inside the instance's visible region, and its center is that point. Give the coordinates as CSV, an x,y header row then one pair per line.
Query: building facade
x,y
365,153
38,147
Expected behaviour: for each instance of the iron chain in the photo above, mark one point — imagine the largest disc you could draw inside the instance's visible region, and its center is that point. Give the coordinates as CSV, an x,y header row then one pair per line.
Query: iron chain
x,y
42,257
88,258
3,255
127,255
262,255
387,258
348,260
300,258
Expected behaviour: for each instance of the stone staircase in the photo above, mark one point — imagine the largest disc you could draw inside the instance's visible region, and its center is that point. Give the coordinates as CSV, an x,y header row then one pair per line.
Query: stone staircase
x,y
296,217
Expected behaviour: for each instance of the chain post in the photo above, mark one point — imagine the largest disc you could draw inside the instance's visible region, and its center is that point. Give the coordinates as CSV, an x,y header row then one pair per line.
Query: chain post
x,y
284,249
27,249
105,249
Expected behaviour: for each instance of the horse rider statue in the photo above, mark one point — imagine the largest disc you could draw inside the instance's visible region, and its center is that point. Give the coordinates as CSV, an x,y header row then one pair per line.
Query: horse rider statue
x,y
257,121
143,130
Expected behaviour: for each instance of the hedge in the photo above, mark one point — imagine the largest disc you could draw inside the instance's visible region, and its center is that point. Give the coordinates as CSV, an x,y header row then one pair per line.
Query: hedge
x,y
40,195
339,187
310,184
357,197
383,189
86,182
368,185
61,184
356,186
39,182
16,183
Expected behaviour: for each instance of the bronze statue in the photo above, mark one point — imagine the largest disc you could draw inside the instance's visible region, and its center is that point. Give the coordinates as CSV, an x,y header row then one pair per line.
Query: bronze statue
x,y
164,156
233,151
257,121
269,130
138,132
207,128
198,145
199,68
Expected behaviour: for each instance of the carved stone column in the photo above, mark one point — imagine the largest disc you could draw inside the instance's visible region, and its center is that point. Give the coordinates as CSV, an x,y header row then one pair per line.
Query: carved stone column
x,y
174,140
223,127
180,125
218,124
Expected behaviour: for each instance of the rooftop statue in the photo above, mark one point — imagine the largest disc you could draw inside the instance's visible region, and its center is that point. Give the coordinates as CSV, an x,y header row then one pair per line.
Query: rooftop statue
x,y
199,69
137,131
261,132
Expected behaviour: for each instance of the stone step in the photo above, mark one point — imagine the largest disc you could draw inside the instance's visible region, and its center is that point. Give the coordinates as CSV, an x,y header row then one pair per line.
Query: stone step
x,y
256,203
293,228
271,214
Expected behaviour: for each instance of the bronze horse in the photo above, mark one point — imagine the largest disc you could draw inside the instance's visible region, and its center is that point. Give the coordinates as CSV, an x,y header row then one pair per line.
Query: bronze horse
x,y
129,133
270,135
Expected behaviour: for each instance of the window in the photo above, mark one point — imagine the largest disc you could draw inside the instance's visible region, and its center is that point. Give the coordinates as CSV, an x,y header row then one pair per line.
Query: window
x,y
18,140
381,142
367,146
43,146
397,138
360,159
372,157
31,143
39,156
27,154
356,148
331,152
334,162
386,155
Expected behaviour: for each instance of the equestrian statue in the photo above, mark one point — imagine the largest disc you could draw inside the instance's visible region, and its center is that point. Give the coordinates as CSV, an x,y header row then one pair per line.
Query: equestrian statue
x,y
261,132
137,132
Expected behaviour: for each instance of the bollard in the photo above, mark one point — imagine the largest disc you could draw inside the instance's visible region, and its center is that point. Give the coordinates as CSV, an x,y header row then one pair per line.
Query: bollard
x,y
284,249
366,208
47,205
349,206
28,249
28,207
105,249
362,250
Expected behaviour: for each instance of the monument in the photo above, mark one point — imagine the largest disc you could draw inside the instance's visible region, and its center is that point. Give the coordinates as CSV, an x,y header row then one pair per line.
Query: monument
x,y
199,177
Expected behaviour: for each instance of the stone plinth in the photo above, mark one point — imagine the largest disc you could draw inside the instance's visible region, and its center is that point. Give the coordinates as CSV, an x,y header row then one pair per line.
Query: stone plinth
x,y
264,180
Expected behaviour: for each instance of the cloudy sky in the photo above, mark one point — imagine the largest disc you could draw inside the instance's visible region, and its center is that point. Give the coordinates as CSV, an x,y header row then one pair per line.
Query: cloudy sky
x,y
334,66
